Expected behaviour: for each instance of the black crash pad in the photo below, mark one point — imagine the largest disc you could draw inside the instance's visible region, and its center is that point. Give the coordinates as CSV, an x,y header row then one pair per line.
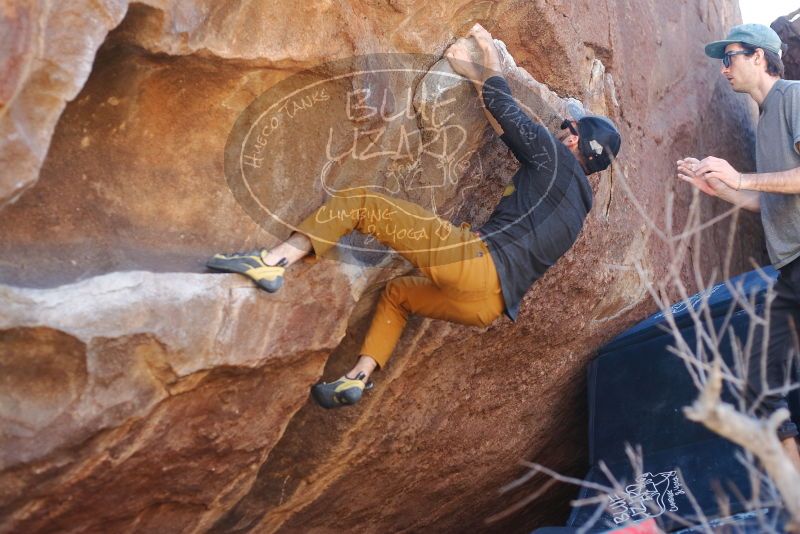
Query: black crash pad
x,y
637,390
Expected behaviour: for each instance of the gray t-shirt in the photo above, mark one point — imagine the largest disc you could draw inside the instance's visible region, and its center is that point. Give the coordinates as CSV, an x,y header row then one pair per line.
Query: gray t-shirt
x,y
778,132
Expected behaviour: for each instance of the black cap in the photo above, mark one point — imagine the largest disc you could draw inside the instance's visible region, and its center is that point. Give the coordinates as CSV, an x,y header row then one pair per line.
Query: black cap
x,y
599,142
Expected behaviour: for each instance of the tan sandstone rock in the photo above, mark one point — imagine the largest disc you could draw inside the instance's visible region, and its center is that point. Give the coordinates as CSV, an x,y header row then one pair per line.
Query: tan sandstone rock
x,y
139,395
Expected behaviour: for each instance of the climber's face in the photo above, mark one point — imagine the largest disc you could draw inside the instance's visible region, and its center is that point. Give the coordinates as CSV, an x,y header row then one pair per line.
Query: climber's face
x,y
568,134
569,129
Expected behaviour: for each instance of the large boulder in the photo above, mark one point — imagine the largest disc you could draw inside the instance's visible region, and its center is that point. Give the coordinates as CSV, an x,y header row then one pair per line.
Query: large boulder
x,y
139,393
788,28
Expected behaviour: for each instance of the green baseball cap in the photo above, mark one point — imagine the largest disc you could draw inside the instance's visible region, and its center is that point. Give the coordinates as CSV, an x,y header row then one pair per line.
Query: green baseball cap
x,y
755,35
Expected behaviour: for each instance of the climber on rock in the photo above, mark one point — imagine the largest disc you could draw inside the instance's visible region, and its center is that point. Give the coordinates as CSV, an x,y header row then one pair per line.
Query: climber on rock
x,y
470,276
751,61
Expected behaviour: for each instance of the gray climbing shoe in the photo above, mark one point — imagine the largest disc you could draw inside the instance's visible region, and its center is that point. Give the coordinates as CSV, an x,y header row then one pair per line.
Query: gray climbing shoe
x,y
343,392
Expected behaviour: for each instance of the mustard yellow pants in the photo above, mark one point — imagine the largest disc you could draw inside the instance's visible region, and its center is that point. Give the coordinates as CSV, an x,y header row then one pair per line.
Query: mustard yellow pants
x,y
460,283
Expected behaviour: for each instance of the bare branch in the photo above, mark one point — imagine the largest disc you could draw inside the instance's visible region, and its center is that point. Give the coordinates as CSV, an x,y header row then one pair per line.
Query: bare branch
x,y
758,436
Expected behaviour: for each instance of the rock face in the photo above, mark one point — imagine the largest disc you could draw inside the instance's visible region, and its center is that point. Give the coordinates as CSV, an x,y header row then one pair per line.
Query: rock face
x,y
138,393
788,28
48,49
103,395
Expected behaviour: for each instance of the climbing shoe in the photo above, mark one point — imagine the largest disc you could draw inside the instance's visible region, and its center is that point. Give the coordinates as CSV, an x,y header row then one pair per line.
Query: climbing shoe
x,y
340,393
252,265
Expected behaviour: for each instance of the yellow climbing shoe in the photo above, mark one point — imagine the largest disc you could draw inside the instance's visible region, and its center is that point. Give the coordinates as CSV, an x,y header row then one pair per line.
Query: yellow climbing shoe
x,y
252,265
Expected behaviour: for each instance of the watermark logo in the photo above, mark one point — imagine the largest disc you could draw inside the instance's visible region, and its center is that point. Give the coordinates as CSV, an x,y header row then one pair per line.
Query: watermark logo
x,y
384,144
651,496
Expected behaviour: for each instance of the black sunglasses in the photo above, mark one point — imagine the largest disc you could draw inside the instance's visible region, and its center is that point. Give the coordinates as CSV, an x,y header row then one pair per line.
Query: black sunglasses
x,y
726,59
567,124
